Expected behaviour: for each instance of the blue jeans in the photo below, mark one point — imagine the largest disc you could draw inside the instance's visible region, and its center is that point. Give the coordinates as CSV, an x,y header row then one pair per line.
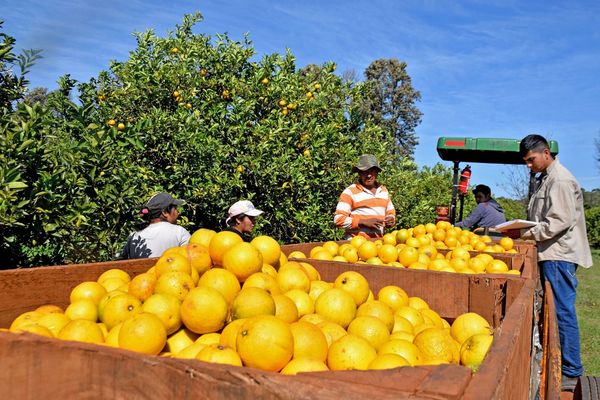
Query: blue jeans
x,y
562,279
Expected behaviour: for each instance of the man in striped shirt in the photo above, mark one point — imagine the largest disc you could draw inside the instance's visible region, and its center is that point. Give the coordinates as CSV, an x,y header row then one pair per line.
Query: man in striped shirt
x,y
365,207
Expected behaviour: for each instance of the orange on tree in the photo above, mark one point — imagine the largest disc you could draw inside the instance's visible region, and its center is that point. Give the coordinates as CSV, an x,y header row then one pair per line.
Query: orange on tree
x,y
143,333
266,343
204,310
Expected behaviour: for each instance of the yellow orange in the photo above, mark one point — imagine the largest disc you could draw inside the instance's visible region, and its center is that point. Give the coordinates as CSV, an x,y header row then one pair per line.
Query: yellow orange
x,y
350,352
219,354
354,284
331,247
309,341
118,309
82,309
408,255
467,325
377,309
143,333
293,278
367,250
175,283
220,243
266,343
263,281
229,333
403,348
222,280
114,273
142,286
81,330
336,305
372,329
91,290
204,310
285,308
167,308
332,331
268,247
304,364
243,260
304,303
388,361
202,237
252,302
54,322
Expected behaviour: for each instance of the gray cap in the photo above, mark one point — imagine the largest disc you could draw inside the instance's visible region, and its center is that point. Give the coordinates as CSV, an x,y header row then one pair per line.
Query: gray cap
x,y
366,162
161,201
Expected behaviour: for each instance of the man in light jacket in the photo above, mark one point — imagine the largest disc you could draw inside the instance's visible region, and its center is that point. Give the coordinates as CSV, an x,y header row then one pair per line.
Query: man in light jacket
x,y
557,206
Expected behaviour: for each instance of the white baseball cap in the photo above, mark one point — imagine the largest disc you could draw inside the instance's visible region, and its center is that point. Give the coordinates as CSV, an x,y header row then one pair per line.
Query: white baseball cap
x,y
243,207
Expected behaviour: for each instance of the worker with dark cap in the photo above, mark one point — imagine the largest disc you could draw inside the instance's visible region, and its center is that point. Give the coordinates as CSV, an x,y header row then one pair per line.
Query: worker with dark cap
x,y
159,231
488,212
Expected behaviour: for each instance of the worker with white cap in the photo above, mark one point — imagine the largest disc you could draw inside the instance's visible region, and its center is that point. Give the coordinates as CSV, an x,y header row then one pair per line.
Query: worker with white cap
x,y
241,217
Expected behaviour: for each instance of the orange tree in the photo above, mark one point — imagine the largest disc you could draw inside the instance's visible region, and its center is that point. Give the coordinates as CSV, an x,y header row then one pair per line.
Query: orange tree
x,y
203,119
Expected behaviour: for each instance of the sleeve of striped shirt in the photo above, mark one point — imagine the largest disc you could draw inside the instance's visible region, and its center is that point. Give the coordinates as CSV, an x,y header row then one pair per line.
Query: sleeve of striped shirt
x,y
342,218
390,210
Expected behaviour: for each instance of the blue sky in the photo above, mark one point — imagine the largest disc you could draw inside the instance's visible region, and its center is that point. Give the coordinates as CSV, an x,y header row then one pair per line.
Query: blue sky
x,y
485,68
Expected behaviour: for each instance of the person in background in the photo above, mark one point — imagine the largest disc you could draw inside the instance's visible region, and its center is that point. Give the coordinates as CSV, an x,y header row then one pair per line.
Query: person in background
x,y
241,217
562,243
365,207
488,212
159,231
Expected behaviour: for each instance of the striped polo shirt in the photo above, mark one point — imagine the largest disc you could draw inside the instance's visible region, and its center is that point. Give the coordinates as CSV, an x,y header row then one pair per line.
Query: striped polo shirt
x,y
356,203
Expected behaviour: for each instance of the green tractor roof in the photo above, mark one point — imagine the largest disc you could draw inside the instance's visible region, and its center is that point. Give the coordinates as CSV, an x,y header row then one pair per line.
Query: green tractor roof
x,y
483,150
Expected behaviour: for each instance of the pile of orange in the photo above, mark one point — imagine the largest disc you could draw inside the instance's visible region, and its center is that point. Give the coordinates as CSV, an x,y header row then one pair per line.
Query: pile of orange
x,y
223,303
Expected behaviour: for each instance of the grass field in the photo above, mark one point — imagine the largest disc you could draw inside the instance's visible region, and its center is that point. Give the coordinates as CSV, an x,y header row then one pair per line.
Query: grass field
x,y
588,313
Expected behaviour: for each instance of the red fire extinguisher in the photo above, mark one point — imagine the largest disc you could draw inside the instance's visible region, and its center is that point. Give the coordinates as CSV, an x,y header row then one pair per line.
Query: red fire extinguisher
x,y
463,183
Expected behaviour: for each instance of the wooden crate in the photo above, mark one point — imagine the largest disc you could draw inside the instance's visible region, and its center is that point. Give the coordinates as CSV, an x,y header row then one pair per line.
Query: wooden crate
x,y
39,367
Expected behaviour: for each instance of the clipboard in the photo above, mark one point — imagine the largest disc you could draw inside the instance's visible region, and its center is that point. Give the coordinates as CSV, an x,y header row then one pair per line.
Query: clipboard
x,y
515,224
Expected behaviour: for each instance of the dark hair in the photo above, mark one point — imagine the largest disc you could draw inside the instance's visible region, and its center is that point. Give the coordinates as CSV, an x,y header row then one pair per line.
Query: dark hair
x,y
233,220
535,143
482,189
147,215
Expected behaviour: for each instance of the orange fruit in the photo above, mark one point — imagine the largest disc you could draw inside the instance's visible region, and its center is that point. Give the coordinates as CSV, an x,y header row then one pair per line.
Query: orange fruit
x,y
118,309
180,340
252,302
432,317
332,331
412,315
114,283
143,333
167,308
343,247
142,286
309,341
112,338
285,308
220,243
496,267
403,348
314,251
198,257
296,254
219,354
312,318
266,343
350,352
379,310
114,273
262,281
467,325
317,287
268,247
367,250
372,329
243,259
435,344
190,352
388,361
304,364
331,247
506,243
402,324
229,333
82,309
404,335
175,283
355,284
350,254
81,330
357,241
172,263
401,236
49,309
202,237
54,322
222,280
204,310
210,338
304,303
336,305
393,296
322,255
293,278
417,303
88,290
474,350
310,271
269,270
35,329
408,255
387,253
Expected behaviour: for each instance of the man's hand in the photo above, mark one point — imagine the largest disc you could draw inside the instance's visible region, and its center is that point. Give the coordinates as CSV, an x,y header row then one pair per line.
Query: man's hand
x,y
373,223
389,221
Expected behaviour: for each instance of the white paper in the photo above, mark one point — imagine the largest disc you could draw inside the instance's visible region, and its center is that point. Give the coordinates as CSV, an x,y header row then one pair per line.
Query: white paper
x,y
515,224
